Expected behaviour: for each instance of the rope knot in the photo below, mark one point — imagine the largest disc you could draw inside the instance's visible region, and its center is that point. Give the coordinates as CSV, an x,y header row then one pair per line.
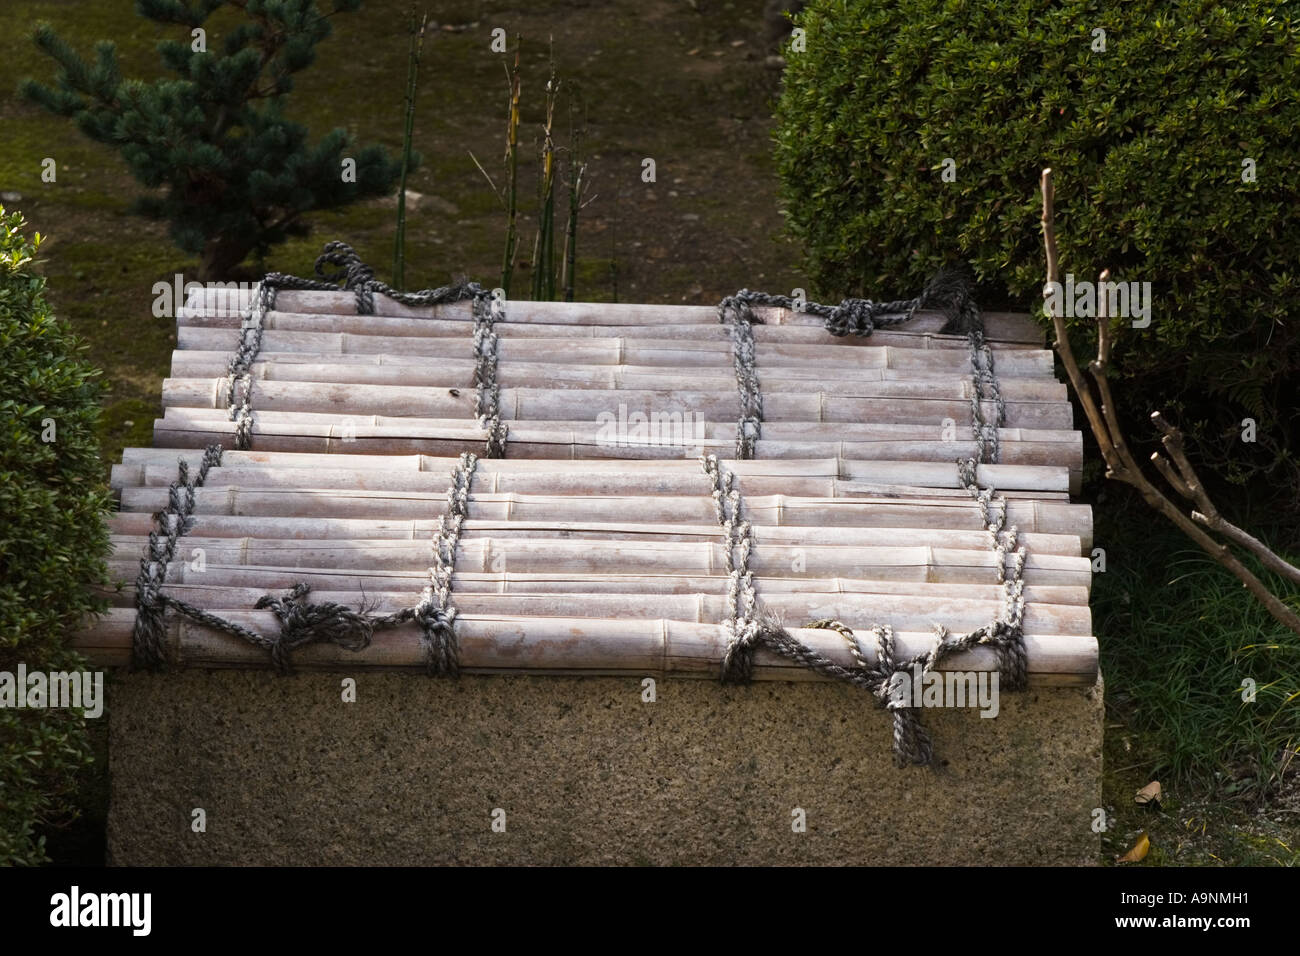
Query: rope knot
x,y
302,623
438,635
856,316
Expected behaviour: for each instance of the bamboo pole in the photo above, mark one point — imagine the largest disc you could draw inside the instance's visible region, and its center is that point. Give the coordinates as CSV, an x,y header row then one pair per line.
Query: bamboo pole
x,y
776,510
532,404
1050,517
1013,326
341,477
859,611
183,570
457,372
603,476
924,563
1034,466
455,328
616,350
573,645
852,432
787,535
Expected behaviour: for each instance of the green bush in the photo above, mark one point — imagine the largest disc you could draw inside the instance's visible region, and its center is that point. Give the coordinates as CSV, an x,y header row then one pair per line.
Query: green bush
x,y
53,540
1147,140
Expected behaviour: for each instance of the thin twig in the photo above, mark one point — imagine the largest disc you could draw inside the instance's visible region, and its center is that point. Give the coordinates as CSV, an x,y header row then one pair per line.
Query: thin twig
x,y
1121,465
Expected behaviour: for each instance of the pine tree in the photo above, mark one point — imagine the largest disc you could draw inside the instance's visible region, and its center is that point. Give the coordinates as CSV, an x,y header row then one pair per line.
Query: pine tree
x,y
232,175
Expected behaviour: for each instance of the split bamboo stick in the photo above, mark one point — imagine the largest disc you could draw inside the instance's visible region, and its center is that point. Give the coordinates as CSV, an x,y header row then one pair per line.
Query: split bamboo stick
x,y
184,570
501,644
788,535
455,372
455,328
329,434
816,478
659,353
1051,441
346,479
858,611
998,325
891,404
924,563
775,510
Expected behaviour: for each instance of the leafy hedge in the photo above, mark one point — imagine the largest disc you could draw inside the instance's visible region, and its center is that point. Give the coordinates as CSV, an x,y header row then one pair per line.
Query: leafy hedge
x,y
1147,140
53,540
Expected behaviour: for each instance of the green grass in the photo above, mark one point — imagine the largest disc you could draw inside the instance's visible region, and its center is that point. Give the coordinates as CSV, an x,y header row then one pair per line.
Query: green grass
x,y
1179,637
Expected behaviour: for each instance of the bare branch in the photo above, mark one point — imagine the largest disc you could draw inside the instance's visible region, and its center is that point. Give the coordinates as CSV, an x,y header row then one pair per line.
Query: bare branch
x,y
1121,465
1163,466
1100,372
1267,557
1062,345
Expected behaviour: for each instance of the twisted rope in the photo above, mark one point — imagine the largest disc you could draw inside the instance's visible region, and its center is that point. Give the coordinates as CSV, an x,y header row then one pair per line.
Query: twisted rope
x,y
948,290
149,635
751,627
301,622
340,266
435,613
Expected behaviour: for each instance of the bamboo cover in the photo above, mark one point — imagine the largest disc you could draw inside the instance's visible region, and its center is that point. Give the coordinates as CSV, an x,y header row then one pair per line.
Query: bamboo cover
x,y
593,546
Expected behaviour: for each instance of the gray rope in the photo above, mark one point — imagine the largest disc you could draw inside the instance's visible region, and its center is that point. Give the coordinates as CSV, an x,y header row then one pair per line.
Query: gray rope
x,y
949,290
750,627
301,623
487,400
435,613
339,265
149,635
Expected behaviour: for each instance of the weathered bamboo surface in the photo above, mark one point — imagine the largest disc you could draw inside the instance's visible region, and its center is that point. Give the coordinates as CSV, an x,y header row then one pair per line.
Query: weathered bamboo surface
x,y
1000,327
594,546
582,645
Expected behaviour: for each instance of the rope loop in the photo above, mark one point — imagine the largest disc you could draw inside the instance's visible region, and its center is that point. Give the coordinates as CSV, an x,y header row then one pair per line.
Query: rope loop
x,y
303,623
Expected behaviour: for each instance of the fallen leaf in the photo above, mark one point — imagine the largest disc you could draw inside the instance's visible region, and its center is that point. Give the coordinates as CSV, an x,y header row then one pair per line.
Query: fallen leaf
x,y
1150,794
1139,850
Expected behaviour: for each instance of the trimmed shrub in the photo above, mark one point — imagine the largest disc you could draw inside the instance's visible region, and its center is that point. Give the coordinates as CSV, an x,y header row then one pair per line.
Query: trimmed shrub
x,y
53,541
1149,139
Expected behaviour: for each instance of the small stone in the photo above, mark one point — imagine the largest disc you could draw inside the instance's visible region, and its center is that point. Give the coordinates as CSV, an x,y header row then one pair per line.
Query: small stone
x,y
11,197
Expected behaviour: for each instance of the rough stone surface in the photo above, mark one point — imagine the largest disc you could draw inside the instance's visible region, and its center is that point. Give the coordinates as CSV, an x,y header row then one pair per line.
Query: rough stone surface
x,y
586,773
